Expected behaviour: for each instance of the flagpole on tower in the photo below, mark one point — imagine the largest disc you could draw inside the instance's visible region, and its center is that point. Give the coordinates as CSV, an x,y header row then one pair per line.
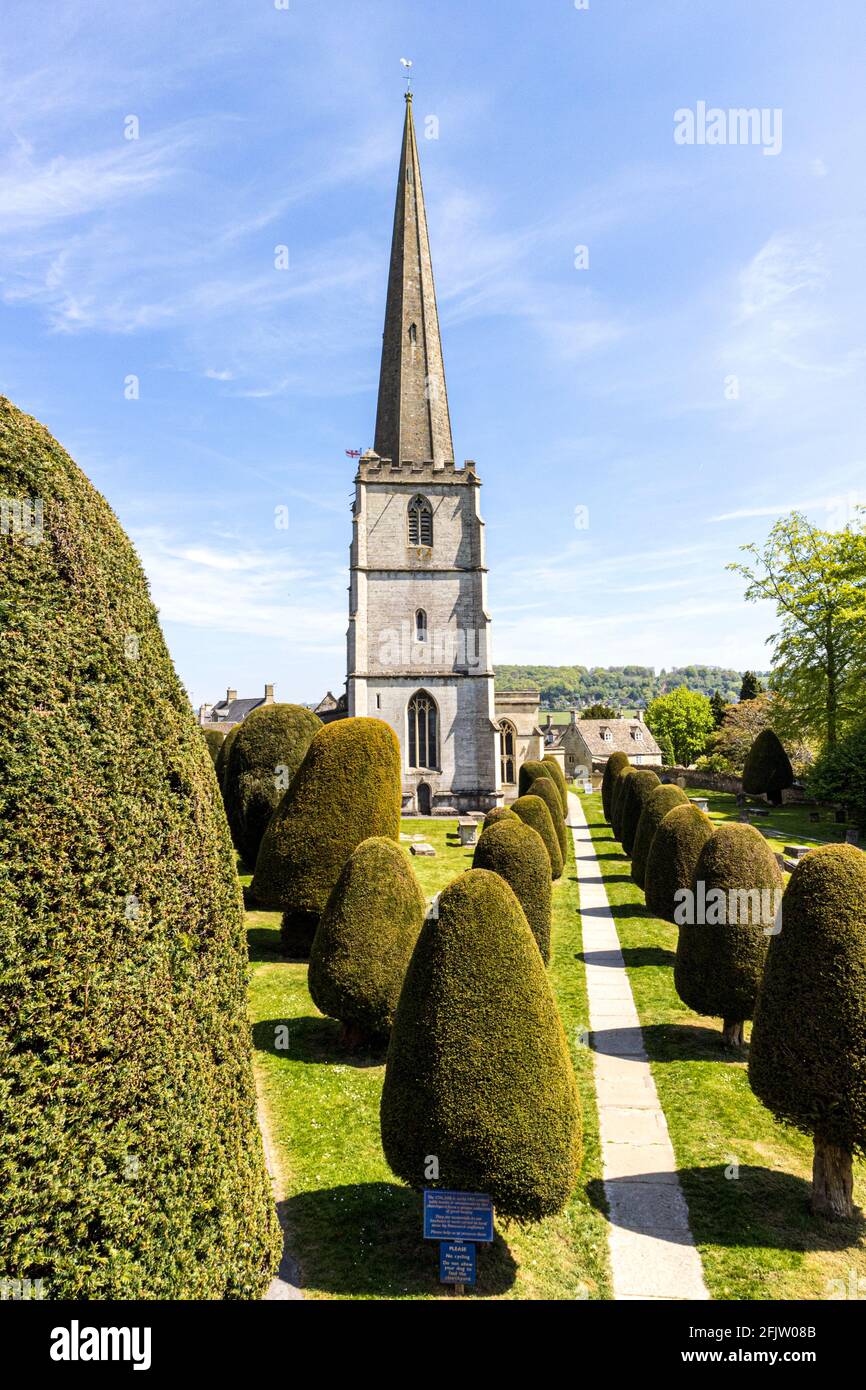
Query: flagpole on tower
x,y
407,68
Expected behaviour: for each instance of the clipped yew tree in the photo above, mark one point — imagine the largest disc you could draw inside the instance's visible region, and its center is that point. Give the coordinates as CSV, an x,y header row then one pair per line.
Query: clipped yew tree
x,y
554,770
132,1163
637,790
516,852
498,813
529,770
673,857
221,760
612,768
346,790
660,800
720,959
365,938
545,787
807,1059
214,740
533,811
478,1070
266,752
767,770
620,784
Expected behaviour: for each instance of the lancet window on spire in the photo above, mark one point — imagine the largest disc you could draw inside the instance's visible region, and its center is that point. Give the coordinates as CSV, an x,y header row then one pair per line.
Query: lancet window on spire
x,y
420,522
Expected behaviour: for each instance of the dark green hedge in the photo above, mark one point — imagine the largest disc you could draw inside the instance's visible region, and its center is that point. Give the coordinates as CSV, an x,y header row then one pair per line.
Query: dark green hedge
x,y
673,857
346,790
634,798
497,814
554,770
222,756
533,811
807,1059
620,783
719,966
131,1161
545,787
528,773
367,934
265,754
478,1070
767,768
612,768
656,806
517,853
214,740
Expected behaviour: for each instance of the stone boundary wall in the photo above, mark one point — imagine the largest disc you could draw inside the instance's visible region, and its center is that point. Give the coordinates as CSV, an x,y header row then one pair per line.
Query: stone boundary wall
x,y
723,782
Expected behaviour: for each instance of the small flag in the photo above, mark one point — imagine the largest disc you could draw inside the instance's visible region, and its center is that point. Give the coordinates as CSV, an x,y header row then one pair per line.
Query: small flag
x,y
353,453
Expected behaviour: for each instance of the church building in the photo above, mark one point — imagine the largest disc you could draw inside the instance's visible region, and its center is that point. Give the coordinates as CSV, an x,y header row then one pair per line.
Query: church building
x,y
419,652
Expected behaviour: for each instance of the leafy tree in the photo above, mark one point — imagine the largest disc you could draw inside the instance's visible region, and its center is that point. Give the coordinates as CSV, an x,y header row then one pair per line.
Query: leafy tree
x,y
666,749
807,1059
478,1069
685,718
817,580
718,706
751,687
600,711
839,774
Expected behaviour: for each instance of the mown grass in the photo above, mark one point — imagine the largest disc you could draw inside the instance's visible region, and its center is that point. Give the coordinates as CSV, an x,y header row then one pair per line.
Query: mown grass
x,y
354,1231
757,1237
784,825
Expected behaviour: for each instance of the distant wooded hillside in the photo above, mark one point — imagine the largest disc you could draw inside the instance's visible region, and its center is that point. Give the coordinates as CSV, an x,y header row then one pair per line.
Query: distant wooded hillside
x,y
562,687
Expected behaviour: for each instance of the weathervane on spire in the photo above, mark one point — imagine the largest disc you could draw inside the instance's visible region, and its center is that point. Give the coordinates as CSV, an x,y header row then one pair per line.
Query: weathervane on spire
x,y
407,67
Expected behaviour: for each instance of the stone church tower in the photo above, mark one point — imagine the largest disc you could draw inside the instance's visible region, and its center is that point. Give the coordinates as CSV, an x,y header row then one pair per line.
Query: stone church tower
x,y
419,633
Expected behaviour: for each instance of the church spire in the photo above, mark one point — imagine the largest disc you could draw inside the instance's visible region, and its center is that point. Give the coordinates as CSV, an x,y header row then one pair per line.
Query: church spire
x,y
412,419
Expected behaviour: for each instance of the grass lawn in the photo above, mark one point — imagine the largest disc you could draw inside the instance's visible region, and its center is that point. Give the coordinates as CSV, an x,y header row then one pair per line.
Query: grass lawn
x,y
756,1235
785,825
355,1231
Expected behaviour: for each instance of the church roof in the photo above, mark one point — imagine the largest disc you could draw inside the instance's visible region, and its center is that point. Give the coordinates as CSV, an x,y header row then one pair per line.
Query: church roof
x,y
412,420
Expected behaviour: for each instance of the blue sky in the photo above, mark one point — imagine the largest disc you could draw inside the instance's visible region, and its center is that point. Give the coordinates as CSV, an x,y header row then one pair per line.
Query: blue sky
x,y
606,388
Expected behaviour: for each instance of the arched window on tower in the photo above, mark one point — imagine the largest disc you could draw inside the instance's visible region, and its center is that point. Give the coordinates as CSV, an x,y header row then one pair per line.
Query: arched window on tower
x,y
413,334
420,522
507,753
423,731
420,626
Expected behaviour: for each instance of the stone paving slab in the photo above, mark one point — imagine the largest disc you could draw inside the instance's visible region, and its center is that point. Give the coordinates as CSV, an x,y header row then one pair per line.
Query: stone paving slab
x,y
652,1251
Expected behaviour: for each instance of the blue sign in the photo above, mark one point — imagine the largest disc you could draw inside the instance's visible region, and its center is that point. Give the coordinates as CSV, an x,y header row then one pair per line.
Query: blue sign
x,y
456,1262
457,1216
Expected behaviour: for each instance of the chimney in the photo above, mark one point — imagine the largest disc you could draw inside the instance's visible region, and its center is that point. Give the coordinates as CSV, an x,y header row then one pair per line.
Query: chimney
x,y
269,694
231,695
573,716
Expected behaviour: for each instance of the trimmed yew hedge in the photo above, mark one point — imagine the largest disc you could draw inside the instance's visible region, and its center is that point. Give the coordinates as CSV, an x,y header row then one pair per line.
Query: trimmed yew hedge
x,y
545,787
807,1059
131,1161
656,806
347,789
635,793
265,754
478,1070
620,784
673,857
533,811
366,937
498,813
554,770
529,770
612,768
517,853
719,963
214,740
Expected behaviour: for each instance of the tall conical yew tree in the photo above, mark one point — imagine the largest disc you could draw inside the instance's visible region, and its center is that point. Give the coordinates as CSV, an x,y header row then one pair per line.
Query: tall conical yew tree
x,y
656,806
635,794
807,1059
478,1071
767,768
673,857
131,1159
265,754
554,770
617,796
612,768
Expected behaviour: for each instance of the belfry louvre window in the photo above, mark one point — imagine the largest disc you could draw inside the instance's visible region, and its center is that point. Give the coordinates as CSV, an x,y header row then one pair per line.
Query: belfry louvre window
x,y
420,522
423,731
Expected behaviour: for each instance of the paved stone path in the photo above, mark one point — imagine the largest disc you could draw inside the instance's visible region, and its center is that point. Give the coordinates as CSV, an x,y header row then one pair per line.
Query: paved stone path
x,y
652,1250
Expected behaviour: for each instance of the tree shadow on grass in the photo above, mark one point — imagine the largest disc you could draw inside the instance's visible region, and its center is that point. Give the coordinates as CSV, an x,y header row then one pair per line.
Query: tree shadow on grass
x,y
263,943
635,956
667,1042
316,1041
364,1239
761,1208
